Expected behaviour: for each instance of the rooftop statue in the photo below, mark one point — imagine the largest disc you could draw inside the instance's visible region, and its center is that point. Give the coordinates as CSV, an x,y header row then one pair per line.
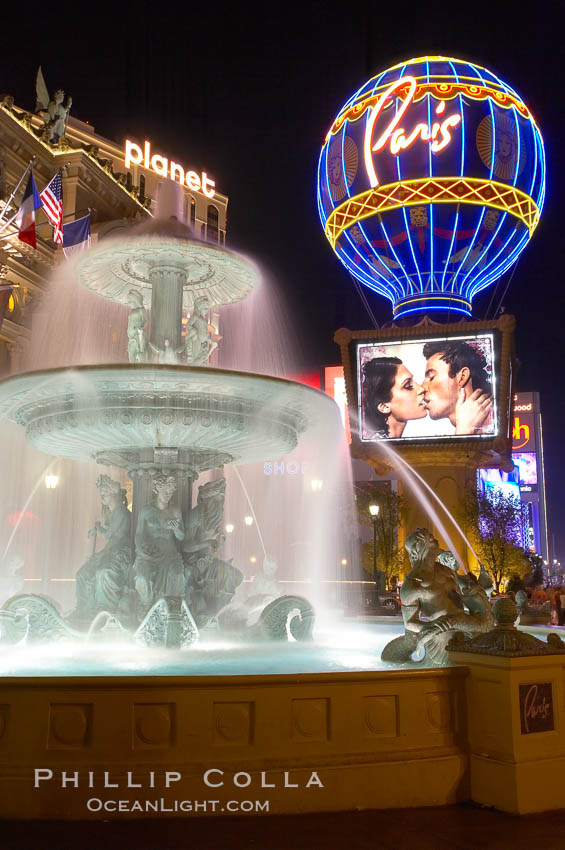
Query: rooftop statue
x,y
51,110
437,601
102,579
158,567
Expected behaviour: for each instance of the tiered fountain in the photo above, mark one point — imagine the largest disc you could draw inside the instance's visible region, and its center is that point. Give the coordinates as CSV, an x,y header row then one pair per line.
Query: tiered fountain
x,y
93,725
165,418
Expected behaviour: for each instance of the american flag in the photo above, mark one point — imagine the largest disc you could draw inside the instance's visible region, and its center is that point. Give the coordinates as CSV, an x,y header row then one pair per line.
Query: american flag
x,y
52,200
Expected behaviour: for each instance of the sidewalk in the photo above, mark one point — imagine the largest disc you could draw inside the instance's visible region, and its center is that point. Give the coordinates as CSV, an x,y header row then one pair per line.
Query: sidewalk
x,y
449,828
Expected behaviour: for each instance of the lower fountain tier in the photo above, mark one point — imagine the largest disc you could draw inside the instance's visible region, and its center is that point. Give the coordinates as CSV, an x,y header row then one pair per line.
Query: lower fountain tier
x,y
114,413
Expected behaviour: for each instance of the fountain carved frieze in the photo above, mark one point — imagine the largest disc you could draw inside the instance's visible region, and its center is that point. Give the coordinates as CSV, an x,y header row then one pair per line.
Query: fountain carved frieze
x,y
92,410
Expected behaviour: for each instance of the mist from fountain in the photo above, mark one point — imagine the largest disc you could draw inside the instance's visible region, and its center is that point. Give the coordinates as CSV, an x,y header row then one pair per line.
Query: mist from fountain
x,y
419,486
298,523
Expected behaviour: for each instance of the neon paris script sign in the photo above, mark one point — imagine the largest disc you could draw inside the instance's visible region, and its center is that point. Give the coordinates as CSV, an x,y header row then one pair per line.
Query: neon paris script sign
x,y
437,136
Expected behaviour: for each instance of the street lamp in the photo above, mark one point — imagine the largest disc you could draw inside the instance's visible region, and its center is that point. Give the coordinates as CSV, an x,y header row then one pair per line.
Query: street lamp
x,y
229,527
374,511
248,520
51,481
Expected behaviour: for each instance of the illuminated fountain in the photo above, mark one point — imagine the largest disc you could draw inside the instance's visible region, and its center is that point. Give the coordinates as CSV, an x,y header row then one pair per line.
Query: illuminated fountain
x,y
166,418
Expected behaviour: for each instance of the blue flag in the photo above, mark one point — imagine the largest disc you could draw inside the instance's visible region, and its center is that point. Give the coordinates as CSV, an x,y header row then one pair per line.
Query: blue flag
x,y
76,236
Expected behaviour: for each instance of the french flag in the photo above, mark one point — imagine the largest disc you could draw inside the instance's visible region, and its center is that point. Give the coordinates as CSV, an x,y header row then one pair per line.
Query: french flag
x,y
76,236
25,217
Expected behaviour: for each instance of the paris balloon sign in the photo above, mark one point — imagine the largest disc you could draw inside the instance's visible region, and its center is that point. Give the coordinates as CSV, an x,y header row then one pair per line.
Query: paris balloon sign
x,y
431,181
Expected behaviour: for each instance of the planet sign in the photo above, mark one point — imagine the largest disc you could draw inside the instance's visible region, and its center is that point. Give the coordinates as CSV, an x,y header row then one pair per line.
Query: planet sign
x,y
431,181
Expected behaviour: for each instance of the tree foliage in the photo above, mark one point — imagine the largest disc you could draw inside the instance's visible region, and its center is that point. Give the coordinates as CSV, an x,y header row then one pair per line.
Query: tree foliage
x,y
493,522
391,558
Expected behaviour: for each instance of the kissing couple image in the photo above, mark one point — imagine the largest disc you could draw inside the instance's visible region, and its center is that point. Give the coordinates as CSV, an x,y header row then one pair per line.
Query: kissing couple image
x,y
452,387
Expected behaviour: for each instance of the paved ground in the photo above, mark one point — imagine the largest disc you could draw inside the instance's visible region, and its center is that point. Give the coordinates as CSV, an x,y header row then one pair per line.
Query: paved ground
x,y
451,828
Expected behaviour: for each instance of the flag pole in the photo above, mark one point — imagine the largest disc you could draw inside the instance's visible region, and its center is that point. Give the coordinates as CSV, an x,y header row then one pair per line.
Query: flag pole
x,y
86,211
11,198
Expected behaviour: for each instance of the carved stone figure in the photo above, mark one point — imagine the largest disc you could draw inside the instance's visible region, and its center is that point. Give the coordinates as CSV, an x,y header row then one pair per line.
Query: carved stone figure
x,y
137,325
11,580
244,613
101,581
436,603
204,520
211,582
265,585
52,111
211,586
166,354
198,343
159,568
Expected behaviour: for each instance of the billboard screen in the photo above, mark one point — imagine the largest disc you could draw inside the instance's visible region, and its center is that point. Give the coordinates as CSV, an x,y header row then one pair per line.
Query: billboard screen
x,y
527,464
427,388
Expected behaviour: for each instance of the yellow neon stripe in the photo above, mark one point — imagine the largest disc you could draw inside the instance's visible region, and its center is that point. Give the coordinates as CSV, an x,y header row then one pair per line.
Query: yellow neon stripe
x,y
432,190
430,296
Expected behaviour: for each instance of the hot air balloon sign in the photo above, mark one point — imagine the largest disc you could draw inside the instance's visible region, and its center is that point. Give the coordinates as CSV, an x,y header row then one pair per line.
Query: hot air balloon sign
x,y
431,181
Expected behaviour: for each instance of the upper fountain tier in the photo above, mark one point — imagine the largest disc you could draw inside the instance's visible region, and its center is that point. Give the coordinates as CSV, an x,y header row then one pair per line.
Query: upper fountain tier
x,y
160,265
136,415
159,250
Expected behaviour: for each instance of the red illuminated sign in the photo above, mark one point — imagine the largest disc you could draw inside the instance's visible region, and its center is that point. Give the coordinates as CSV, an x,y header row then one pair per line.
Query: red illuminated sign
x,y
437,136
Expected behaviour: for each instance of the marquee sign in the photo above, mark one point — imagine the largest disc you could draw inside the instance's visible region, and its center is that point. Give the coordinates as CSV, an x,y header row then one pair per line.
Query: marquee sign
x,y
135,155
431,181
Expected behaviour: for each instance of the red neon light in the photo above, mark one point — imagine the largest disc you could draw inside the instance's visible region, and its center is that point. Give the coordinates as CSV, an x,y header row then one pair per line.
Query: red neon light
x,y
438,136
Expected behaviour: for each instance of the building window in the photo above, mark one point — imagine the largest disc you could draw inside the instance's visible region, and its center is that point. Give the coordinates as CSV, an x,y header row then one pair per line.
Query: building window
x,y
192,211
129,181
141,188
212,222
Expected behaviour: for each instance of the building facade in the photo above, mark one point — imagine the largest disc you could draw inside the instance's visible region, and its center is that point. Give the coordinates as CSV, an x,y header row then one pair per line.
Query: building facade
x,y
95,180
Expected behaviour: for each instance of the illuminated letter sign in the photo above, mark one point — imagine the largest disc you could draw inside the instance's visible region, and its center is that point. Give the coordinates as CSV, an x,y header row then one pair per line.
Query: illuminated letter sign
x,y
437,136
520,434
134,155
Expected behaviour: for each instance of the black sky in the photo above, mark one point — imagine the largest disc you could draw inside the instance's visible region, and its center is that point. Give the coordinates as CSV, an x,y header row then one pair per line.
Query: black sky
x,y
247,93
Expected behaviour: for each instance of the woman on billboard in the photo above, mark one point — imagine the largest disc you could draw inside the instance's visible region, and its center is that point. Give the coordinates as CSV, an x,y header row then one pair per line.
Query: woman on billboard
x,y
391,397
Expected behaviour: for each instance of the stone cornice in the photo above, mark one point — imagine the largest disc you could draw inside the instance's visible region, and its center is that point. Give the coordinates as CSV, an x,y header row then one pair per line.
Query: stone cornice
x,y
61,151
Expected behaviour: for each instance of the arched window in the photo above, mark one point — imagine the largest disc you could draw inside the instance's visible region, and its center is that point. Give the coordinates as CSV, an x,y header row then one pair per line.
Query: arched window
x,y
129,181
212,221
141,188
192,211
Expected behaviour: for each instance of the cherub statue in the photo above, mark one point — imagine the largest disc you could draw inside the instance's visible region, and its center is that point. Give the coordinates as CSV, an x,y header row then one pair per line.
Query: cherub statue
x,y
51,110
436,602
198,344
137,325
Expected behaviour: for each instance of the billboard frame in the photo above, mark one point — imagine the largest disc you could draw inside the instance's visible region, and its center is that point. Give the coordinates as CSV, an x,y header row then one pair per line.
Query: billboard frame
x,y
472,451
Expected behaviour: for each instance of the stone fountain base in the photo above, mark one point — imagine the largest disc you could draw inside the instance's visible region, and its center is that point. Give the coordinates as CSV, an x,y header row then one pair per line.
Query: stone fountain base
x,y
264,744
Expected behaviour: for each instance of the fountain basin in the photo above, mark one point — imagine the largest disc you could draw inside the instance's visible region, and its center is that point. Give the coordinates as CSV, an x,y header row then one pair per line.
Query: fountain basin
x,y
297,743
211,416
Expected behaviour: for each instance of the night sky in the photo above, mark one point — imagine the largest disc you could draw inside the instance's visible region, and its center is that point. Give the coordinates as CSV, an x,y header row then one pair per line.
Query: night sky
x,y
248,96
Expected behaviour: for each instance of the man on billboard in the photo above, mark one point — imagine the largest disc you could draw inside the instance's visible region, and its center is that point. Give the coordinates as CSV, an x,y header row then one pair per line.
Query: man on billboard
x,y
457,387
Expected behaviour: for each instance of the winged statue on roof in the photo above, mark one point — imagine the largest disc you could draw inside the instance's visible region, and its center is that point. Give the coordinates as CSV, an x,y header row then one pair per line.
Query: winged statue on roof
x,y
51,109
